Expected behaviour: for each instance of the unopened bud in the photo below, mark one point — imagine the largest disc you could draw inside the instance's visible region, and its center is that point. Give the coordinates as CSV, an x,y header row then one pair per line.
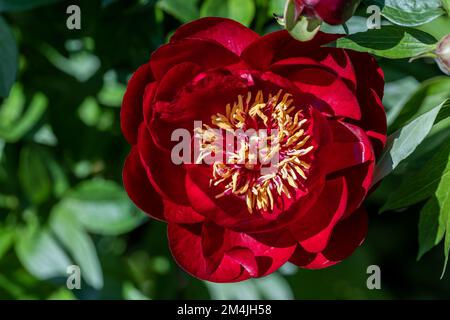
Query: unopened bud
x,y
443,54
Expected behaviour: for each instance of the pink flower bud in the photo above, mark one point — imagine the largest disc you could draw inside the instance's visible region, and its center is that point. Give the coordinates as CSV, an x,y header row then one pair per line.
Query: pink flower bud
x,y
443,54
331,11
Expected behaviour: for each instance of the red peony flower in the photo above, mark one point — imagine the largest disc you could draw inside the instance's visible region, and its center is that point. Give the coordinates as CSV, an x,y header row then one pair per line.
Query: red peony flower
x,y
331,11
230,221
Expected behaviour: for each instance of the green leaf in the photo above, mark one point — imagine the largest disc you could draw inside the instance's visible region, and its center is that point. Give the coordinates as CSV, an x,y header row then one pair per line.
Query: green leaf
x,y
6,239
389,42
78,243
14,123
40,254
430,233
427,96
443,197
396,94
446,6
423,184
183,10
102,207
19,5
34,176
273,287
403,142
62,294
409,12
276,7
239,10
131,293
8,58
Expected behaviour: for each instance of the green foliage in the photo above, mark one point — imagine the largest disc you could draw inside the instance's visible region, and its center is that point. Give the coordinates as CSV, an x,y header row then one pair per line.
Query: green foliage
x,y
102,207
18,5
390,42
8,58
409,12
402,143
239,10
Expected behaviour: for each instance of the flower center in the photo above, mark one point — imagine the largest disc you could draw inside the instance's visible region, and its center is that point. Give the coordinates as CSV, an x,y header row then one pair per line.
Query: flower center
x,y
268,157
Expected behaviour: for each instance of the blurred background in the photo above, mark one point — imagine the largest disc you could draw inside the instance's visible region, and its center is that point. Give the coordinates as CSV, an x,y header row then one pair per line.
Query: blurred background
x,y
61,156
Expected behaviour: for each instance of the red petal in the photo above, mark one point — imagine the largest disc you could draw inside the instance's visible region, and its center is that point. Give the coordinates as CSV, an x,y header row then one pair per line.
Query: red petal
x,y
370,94
175,79
332,60
180,214
206,54
350,147
166,177
197,247
326,92
229,33
276,46
348,235
139,187
329,206
132,110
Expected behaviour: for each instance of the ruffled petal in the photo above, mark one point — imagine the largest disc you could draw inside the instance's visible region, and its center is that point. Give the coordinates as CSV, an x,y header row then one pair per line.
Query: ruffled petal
x,y
176,213
325,91
131,114
351,146
317,224
139,188
348,235
276,46
166,177
370,92
207,54
220,30
215,254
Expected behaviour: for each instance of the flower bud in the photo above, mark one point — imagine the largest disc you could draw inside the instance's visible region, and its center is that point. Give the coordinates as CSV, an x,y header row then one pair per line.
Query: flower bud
x,y
443,54
333,12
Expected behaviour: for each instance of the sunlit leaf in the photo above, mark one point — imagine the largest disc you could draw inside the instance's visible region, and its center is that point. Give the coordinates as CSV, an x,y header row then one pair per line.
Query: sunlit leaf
x,y
239,10
183,10
389,42
403,142
41,254
34,175
102,207
78,243
409,12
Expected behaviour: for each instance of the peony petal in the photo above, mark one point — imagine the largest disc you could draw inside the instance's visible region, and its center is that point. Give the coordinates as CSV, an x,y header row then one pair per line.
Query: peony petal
x,y
220,30
351,146
276,46
181,214
166,177
370,92
131,114
328,209
234,256
206,54
319,241
332,60
175,79
326,92
139,188
348,235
